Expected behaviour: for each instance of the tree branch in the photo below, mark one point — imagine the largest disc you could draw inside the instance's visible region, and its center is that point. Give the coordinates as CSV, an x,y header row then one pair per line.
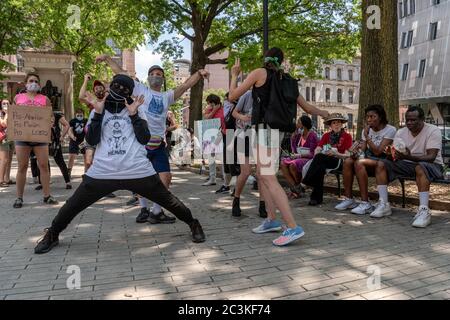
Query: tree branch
x,y
217,61
212,13
180,29
220,46
181,7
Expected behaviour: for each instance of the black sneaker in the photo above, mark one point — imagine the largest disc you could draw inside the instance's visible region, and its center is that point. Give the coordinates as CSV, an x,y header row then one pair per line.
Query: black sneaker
x,y
50,200
134,201
197,232
262,209
68,186
111,195
160,218
46,244
18,203
236,210
143,216
39,187
223,189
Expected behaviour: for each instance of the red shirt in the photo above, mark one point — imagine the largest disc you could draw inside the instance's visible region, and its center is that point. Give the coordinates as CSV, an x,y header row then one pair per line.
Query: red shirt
x,y
345,141
219,115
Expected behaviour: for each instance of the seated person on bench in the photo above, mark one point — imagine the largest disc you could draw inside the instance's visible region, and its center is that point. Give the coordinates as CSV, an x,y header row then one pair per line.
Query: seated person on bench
x,y
416,153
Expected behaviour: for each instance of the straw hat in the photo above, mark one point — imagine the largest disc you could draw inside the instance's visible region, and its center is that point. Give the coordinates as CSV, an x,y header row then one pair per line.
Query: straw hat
x,y
335,116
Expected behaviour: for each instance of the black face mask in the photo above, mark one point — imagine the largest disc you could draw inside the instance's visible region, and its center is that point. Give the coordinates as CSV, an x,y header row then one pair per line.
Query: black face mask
x,y
115,101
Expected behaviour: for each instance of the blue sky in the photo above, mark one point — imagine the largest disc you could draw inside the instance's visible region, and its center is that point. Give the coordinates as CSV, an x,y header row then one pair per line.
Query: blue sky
x,y
145,57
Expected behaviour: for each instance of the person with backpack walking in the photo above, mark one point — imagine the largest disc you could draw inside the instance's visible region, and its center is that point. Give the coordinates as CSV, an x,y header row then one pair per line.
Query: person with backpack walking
x,y
276,98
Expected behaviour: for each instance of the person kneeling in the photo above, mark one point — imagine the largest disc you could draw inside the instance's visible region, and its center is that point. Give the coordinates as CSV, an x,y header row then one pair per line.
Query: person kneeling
x,y
416,154
120,133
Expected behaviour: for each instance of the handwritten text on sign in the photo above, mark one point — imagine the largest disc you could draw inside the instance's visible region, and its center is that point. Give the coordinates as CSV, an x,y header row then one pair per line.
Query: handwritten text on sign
x,y
29,123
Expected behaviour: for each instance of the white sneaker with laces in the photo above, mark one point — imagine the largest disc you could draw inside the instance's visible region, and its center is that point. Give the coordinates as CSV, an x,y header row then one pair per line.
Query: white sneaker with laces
x,y
422,218
382,210
363,208
346,204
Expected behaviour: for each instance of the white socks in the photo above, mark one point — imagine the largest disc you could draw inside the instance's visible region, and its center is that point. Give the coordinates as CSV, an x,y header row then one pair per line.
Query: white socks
x,y
143,202
156,209
383,192
424,198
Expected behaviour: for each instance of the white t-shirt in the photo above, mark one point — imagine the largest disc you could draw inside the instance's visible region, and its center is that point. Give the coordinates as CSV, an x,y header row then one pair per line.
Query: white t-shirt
x,y
155,107
429,138
378,136
119,155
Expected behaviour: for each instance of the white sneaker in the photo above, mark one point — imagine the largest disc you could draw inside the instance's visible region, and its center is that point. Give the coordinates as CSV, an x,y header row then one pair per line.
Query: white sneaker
x,y
363,208
346,204
210,182
422,218
382,210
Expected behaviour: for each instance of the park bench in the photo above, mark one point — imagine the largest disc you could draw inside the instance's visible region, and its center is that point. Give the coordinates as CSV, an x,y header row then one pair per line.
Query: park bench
x,y
402,180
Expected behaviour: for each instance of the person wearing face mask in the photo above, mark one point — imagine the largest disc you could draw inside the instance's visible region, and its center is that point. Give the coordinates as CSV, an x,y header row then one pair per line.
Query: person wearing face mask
x,y
99,91
23,148
76,135
333,148
292,167
6,146
156,107
119,129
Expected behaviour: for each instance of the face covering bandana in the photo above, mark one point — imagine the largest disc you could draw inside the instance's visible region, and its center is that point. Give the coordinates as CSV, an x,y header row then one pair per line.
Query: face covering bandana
x,y
33,87
155,81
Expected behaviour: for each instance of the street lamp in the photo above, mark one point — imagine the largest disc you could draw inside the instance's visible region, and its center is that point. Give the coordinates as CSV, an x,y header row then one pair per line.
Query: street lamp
x,y
266,25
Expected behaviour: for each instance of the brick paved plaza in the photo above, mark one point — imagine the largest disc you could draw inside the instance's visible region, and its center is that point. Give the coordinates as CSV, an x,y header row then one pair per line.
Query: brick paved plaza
x,y
120,259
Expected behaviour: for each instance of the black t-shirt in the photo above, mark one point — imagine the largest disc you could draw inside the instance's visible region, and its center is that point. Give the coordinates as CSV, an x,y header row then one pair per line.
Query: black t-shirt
x,y
56,129
78,128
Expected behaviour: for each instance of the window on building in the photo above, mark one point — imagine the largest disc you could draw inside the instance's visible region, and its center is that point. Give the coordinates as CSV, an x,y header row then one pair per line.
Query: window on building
x,y
433,31
422,66
327,95
405,71
400,10
405,8
308,94
403,41
412,7
327,73
339,96
410,38
313,94
350,96
350,75
314,119
339,74
436,2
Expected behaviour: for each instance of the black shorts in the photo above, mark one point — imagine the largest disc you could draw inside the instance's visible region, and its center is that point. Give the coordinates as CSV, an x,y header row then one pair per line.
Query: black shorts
x,y
402,168
74,147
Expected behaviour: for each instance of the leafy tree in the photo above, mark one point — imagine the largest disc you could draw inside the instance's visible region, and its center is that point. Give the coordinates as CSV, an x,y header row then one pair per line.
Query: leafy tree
x,y
310,32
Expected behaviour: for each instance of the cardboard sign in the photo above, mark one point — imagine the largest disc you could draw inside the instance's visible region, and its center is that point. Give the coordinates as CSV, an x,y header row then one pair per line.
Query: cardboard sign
x,y
29,123
209,135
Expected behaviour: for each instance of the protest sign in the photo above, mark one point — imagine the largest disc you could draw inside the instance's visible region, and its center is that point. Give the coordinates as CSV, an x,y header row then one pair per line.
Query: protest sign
x,y
29,123
209,135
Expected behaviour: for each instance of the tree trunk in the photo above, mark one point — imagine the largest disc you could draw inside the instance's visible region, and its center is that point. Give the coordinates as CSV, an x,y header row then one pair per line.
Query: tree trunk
x,y
379,63
198,62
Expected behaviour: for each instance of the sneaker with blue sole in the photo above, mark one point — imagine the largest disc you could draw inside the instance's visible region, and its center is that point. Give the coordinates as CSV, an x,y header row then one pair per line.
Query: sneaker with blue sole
x,y
268,226
289,235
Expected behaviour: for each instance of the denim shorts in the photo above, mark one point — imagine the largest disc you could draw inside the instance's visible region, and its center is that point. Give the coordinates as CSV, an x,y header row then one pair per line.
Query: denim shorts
x,y
159,158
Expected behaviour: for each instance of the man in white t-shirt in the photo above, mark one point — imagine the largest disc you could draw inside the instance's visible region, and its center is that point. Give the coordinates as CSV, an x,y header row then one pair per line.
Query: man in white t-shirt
x,y
156,107
119,129
416,153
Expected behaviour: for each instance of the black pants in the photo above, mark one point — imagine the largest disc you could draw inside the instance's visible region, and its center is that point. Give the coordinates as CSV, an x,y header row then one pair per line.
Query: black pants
x,y
34,165
59,159
316,174
91,190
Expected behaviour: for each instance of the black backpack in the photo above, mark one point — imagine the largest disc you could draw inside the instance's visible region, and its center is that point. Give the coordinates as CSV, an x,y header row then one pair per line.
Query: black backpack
x,y
281,111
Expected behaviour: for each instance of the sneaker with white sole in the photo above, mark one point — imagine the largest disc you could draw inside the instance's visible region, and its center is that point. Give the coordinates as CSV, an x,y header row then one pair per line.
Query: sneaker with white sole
x,y
346,204
363,208
210,182
422,218
289,235
382,210
268,226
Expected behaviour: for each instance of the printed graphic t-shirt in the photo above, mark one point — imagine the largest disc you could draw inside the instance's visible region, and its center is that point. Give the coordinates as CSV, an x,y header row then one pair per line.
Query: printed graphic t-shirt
x,y
78,128
119,155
